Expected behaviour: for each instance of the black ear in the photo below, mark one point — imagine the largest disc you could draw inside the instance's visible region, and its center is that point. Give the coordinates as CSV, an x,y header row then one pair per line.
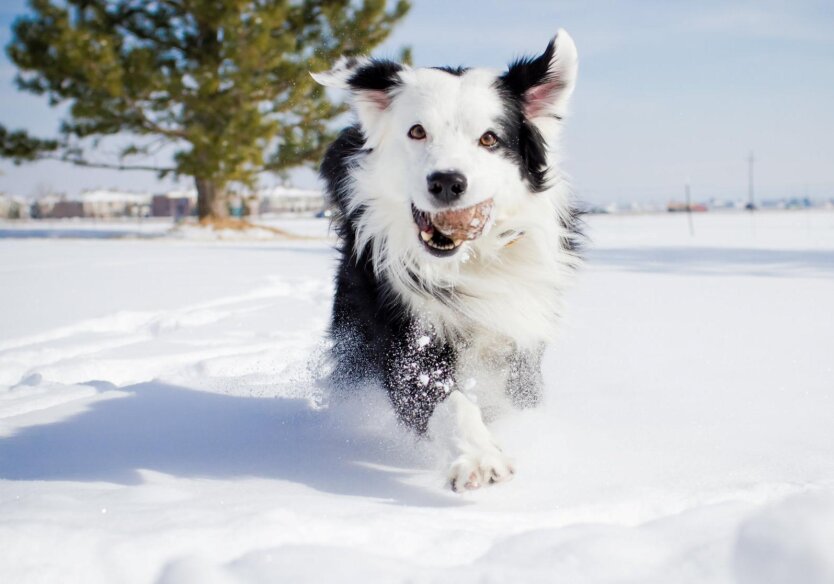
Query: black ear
x,y
375,75
370,82
544,83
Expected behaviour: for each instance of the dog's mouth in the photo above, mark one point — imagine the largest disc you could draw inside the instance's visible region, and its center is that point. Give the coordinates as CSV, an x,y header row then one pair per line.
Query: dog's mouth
x,y
444,232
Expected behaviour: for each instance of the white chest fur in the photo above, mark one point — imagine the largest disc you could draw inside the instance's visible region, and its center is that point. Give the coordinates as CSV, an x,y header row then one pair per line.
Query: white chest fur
x,y
508,287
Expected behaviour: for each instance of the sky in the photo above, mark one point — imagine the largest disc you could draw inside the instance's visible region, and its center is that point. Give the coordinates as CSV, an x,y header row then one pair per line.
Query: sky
x,y
668,92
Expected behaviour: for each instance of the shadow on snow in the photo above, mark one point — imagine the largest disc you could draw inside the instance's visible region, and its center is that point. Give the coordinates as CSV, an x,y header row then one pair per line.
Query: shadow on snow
x,y
188,433
717,261
56,233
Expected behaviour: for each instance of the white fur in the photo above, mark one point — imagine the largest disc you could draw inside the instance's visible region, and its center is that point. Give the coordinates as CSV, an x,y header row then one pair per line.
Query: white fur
x,y
478,459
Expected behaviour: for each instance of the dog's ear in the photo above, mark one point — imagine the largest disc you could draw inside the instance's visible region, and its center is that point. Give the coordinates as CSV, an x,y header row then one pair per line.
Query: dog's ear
x,y
545,83
370,82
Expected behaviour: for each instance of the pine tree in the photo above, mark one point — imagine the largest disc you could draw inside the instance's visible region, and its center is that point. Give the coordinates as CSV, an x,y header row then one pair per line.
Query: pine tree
x,y
226,82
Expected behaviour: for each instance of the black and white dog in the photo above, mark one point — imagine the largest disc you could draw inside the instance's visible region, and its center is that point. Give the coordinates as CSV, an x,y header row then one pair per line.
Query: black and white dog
x,y
457,238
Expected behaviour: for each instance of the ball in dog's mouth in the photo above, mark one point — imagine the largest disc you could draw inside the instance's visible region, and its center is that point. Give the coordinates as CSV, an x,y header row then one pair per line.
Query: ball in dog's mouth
x,y
443,232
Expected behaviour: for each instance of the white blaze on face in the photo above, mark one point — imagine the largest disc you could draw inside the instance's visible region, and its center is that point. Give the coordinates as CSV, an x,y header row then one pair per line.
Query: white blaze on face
x,y
455,112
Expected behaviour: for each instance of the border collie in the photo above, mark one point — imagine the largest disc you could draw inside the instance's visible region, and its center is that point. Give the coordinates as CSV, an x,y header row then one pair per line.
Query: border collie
x,y
457,240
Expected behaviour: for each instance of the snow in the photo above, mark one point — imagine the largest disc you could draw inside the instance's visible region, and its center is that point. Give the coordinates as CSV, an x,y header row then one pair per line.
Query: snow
x,y
84,228
161,419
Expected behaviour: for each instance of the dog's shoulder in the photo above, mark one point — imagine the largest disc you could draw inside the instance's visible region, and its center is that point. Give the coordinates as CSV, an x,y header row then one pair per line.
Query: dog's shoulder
x,y
335,171
338,160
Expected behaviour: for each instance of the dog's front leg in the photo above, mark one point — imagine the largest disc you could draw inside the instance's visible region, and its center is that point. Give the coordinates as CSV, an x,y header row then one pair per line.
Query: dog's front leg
x,y
419,374
479,461
524,377
420,380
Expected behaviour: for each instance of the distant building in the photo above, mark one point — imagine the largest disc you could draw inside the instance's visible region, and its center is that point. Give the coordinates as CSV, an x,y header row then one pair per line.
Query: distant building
x,y
726,204
176,204
56,207
675,207
66,209
42,207
106,204
281,199
788,203
13,207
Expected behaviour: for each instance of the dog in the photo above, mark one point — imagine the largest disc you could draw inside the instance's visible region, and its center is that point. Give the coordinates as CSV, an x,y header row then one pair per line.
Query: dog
x,y
458,237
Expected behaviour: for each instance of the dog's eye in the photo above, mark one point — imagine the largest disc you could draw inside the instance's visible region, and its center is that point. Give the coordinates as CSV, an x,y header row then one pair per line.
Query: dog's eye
x,y
417,132
489,140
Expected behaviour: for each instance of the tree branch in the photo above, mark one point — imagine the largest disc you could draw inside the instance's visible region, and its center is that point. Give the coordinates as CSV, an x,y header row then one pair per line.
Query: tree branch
x,y
92,164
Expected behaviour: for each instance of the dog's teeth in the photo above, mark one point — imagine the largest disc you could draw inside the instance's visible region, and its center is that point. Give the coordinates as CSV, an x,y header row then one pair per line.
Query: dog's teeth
x,y
457,242
426,236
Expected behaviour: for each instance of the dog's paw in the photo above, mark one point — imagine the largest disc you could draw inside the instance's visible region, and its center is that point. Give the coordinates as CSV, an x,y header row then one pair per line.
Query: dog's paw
x,y
472,471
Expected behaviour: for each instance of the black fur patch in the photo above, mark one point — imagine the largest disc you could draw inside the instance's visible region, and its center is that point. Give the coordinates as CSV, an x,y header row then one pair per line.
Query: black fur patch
x,y
335,171
527,147
456,71
575,238
377,75
523,142
527,72
374,336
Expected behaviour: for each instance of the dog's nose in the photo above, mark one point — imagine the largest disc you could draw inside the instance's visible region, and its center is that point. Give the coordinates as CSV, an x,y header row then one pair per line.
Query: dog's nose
x,y
446,187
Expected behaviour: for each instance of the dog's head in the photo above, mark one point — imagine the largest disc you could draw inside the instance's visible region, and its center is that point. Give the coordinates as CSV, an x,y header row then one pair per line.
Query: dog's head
x,y
455,154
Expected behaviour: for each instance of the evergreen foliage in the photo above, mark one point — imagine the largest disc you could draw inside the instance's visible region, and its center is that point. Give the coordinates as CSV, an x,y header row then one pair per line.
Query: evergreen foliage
x,y
226,82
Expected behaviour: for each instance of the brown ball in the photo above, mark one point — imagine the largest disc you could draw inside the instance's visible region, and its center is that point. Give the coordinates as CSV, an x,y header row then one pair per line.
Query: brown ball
x,y
466,223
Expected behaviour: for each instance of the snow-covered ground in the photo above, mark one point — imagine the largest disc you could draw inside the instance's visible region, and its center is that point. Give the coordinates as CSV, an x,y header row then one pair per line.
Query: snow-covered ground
x,y
160,420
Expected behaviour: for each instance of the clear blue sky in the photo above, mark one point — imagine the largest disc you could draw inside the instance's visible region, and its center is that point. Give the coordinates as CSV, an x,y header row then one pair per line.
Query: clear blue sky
x,y
668,91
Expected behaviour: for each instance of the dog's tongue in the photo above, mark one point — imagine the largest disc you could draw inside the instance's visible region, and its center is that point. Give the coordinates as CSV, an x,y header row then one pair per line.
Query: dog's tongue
x,y
466,223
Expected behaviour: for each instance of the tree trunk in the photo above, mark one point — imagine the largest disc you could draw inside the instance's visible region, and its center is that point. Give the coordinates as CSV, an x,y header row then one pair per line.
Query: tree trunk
x,y
211,199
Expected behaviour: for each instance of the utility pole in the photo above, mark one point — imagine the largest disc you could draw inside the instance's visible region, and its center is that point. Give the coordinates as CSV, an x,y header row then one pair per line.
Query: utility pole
x,y
750,161
689,211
